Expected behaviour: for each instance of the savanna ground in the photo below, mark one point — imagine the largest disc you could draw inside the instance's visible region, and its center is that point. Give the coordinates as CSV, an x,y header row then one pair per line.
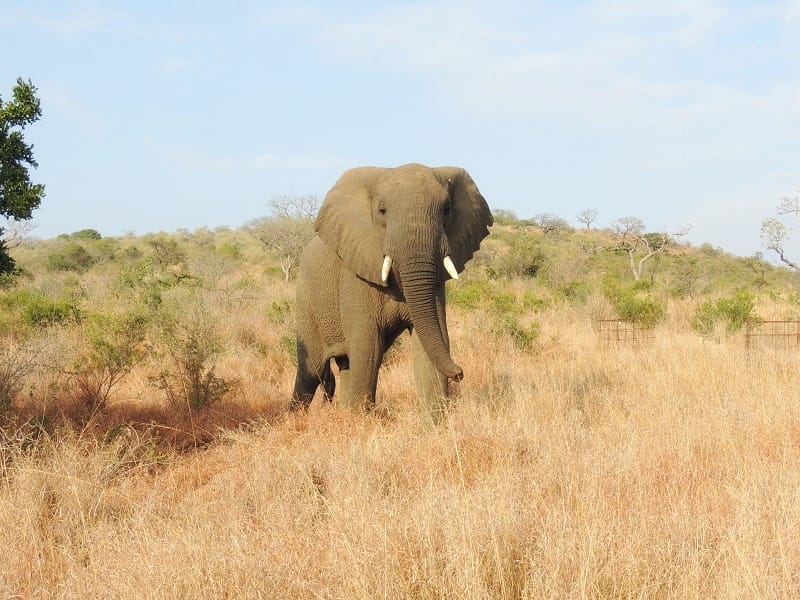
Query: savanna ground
x,y
566,469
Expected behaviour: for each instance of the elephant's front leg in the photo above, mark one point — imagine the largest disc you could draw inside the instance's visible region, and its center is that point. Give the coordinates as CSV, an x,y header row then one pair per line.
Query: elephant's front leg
x,y
360,381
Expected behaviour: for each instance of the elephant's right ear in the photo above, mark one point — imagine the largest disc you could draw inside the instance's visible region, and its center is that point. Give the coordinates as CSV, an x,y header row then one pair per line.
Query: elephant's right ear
x,y
345,223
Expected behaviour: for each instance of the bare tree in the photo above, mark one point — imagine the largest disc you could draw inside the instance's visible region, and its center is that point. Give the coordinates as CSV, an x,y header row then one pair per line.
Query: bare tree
x,y
588,216
15,232
292,206
550,223
630,237
790,206
288,228
775,233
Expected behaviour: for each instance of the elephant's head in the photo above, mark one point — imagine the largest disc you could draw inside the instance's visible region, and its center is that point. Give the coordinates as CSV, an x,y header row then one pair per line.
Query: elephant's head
x,y
413,227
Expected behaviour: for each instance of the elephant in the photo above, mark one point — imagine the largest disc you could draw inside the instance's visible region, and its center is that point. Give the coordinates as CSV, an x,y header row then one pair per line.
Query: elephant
x,y
386,241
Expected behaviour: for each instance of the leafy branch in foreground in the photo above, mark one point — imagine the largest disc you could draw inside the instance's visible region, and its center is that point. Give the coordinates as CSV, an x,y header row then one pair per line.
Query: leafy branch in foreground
x,y
18,195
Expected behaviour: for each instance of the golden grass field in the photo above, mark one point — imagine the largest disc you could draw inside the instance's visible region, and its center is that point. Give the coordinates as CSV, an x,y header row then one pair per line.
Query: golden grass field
x,y
575,471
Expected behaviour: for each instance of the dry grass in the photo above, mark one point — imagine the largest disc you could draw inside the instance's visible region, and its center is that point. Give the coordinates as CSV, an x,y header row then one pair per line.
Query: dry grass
x,y
671,471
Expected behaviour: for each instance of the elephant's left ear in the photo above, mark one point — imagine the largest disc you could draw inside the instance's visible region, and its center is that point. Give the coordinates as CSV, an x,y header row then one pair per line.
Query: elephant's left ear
x,y
471,215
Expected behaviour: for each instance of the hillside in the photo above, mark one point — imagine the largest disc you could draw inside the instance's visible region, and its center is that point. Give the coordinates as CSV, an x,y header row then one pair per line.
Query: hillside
x,y
145,450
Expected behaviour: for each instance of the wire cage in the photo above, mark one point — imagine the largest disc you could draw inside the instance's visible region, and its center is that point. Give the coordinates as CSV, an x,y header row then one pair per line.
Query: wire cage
x,y
773,335
624,332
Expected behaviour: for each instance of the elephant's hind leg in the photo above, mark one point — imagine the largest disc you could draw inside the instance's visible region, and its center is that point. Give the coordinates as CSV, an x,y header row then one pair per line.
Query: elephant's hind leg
x,y
306,381
328,382
304,388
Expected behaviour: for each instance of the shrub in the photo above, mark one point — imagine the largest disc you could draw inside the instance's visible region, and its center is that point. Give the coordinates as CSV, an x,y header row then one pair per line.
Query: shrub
x,y
230,250
17,361
647,310
524,258
733,312
523,337
192,346
480,293
504,217
116,345
70,257
506,307
280,312
629,303
84,234
471,294
288,344
34,309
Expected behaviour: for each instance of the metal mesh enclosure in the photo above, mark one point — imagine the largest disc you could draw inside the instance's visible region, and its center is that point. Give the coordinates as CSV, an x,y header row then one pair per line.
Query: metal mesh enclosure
x,y
775,335
624,332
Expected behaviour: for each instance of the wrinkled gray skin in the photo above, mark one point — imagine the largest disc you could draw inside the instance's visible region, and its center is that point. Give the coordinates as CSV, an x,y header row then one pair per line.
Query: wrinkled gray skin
x,y
345,310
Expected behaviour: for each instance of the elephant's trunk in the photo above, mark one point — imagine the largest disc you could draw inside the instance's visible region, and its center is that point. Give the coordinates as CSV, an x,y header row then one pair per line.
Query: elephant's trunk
x,y
420,281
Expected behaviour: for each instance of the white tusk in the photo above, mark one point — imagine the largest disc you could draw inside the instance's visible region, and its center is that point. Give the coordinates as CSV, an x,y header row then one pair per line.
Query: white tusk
x,y
450,267
387,266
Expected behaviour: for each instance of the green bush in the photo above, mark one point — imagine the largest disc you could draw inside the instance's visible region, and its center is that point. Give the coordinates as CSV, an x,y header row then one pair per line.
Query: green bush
x,y
524,258
575,292
630,304
531,301
523,337
193,346
116,344
83,234
733,312
471,294
288,344
480,293
37,310
229,250
505,307
280,312
70,257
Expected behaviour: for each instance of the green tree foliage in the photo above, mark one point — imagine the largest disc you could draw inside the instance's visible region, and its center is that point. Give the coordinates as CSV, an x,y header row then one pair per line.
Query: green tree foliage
x,y
83,234
18,195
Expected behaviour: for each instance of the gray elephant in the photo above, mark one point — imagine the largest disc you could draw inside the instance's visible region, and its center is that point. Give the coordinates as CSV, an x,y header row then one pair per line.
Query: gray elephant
x,y
387,240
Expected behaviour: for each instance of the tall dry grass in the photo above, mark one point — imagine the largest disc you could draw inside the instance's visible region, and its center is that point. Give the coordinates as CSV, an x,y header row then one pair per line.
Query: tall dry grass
x,y
668,471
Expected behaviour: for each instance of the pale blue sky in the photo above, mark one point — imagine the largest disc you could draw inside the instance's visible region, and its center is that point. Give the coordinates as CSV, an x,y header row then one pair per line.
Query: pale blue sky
x,y
166,115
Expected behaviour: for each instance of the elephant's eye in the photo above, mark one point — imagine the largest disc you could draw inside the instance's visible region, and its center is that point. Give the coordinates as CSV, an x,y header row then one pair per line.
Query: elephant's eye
x,y
446,209
382,208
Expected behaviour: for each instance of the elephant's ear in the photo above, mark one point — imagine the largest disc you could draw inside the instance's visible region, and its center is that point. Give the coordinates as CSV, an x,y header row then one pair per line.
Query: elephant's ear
x,y
471,215
344,223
